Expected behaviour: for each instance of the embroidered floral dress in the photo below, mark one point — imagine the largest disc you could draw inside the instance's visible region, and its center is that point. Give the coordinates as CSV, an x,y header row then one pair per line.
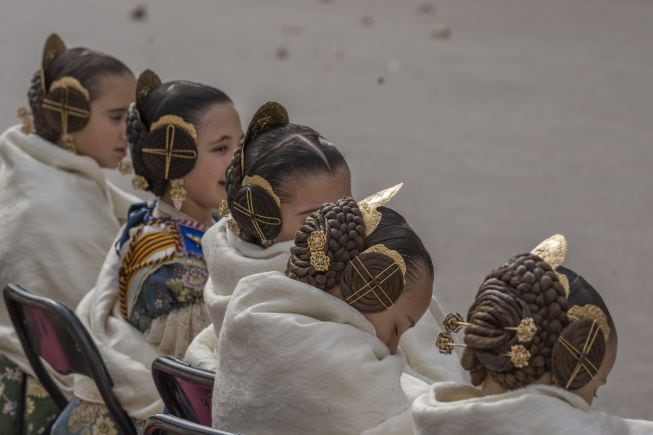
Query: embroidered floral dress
x,y
161,282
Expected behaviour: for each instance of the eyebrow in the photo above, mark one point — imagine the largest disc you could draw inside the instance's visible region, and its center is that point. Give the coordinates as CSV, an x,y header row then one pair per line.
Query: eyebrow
x,y
117,110
223,138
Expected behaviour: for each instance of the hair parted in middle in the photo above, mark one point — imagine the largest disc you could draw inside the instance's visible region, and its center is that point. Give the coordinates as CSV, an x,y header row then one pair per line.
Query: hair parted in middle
x,y
274,153
368,249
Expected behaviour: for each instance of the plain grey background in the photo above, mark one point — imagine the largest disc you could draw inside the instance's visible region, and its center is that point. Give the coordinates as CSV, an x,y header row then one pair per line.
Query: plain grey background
x,y
534,117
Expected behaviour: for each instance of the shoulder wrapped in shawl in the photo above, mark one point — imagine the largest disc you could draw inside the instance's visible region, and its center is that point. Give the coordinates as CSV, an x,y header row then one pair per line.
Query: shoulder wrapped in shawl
x,y
228,259
147,302
456,409
292,359
59,216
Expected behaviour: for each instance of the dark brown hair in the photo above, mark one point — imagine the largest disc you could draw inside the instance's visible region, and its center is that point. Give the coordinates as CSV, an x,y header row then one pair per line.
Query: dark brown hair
x,y
85,65
187,100
579,334
344,228
524,287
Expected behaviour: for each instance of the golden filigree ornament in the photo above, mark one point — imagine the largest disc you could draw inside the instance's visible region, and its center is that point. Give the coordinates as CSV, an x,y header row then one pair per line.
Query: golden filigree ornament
x,y
125,167
519,356
223,209
453,322
26,120
233,226
316,244
591,312
554,251
526,330
139,182
445,343
177,193
369,207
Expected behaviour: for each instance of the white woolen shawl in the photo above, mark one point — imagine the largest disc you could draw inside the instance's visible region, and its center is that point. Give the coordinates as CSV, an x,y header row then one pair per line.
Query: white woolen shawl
x,y
229,258
451,408
59,218
292,359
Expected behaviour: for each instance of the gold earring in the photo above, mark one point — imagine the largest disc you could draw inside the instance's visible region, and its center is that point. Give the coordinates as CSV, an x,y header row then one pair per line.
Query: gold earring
x,y
27,120
125,167
177,193
69,143
223,210
139,182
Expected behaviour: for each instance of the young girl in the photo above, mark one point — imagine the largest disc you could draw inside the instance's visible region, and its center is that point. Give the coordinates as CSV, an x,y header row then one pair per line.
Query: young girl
x,y
279,175
538,355
316,351
59,214
148,298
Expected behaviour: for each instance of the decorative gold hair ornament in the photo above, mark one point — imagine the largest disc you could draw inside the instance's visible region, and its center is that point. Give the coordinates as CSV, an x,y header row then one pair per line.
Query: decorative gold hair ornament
x,y
554,251
268,116
26,120
70,82
396,256
316,244
526,329
147,82
591,312
171,123
582,363
257,180
519,355
223,209
54,46
369,207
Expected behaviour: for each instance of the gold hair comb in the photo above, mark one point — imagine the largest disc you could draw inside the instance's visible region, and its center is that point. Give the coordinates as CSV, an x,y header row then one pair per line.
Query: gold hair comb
x,y
369,207
591,312
554,251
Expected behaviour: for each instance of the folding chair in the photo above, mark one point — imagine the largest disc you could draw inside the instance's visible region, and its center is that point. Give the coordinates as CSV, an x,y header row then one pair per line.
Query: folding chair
x,y
163,424
185,390
48,329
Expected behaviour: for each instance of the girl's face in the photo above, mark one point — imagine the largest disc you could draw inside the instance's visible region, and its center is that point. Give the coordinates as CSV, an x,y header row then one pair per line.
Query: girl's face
x,y
588,391
405,313
218,134
310,192
104,137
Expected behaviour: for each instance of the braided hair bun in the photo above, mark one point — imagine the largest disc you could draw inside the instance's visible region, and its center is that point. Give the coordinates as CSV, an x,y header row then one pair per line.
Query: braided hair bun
x,y
524,287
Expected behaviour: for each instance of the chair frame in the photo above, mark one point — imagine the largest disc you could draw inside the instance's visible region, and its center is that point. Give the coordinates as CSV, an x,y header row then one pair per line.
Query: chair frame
x,y
16,299
160,424
166,367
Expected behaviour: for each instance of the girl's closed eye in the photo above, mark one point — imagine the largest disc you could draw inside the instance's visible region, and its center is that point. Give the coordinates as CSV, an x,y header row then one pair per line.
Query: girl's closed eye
x,y
222,148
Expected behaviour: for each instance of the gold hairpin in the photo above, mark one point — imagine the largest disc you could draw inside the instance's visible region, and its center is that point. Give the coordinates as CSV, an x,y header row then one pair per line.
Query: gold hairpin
x,y
369,207
553,251
316,243
171,122
591,312
373,283
526,329
519,355
396,256
582,362
257,180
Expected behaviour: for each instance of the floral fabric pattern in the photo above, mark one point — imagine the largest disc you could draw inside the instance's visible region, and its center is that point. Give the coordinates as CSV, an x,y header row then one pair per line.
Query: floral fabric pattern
x,y
85,418
25,406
